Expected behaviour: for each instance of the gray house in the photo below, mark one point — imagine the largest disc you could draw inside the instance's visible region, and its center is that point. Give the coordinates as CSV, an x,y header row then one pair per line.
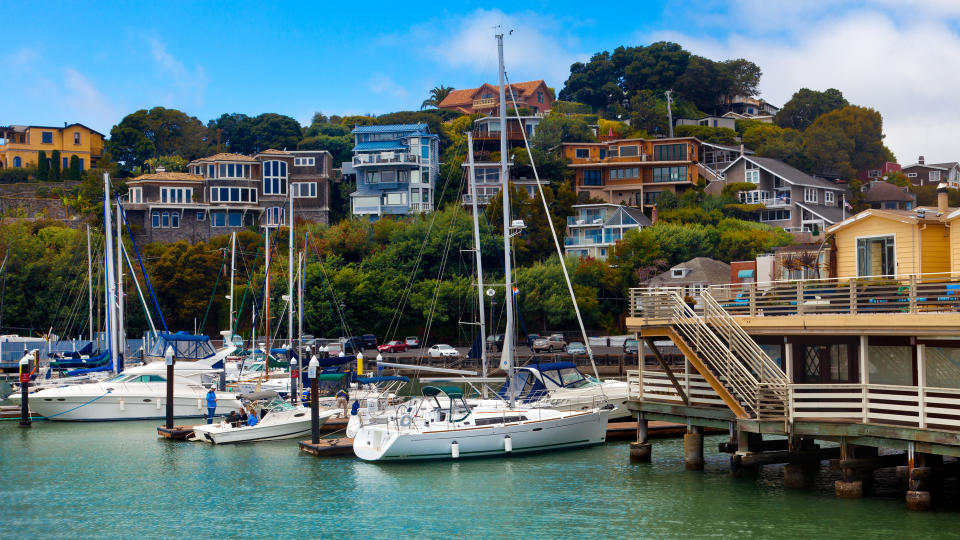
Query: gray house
x,y
693,276
794,200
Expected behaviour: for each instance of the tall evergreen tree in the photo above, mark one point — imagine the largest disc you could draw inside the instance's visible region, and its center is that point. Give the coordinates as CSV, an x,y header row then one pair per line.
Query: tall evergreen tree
x,y
43,166
73,173
54,174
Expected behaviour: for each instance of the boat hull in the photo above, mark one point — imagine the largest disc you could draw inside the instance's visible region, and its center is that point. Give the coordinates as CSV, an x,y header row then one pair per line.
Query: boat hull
x,y
381,443
100,406
295,424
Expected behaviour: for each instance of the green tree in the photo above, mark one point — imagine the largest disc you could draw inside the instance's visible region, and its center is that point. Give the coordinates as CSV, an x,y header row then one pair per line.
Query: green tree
x,y
168,163
74,172
739,77
155,132
807,105
55,166
845,141
437,95
556,129
43,166
897,178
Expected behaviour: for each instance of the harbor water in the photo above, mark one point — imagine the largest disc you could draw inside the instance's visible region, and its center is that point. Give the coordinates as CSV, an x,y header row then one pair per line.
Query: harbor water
x,y
118,480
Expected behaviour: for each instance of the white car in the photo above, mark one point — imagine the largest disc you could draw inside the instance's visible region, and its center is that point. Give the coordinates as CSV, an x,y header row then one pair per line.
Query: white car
x,y
442,351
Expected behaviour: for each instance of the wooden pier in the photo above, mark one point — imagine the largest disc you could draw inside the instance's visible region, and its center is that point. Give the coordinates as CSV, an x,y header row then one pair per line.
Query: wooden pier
x,y
328,447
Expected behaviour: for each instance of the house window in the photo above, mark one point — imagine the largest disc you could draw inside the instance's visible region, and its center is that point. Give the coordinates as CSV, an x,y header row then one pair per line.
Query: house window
x,y
210,171
275,177
911,175
155,220
592,178
305,189
619,174
752,176
76,137
775,215
201,216
539,97
175,220
304,162
16,161
828,197
46,137
650,197
629,151
670,152
395,198
875,173
235,219
81,163
669,174
66,163
603,153
165,219
810,195
677,272
218,219
583,153
933,176
876,256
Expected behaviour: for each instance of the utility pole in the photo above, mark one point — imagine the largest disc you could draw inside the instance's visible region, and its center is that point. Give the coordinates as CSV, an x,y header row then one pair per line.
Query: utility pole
x,y
669,112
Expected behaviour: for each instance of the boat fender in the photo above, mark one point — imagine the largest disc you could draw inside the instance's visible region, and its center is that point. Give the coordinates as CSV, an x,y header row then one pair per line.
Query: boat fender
x,y
405,420
454,449
122,405
507,444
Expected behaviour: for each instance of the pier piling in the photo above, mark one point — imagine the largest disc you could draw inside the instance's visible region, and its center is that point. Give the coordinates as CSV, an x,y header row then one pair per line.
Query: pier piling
x,y
640,451
168,358
25,420
849,486
693,449
314,401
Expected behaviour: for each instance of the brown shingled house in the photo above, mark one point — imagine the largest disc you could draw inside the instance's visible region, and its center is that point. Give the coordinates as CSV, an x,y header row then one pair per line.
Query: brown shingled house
x,y
486,99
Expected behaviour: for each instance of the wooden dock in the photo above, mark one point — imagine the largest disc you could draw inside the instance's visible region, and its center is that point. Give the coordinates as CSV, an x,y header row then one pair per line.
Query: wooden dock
x,y
328,447
13,411
178,433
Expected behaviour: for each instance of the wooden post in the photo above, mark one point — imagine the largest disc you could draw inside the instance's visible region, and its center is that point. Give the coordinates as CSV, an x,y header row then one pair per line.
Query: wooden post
x,y
168,357
25,420
853,296
865,377
921,384
753,299
913,293
693,449
314,401
800,297
666,368
640,451
848,487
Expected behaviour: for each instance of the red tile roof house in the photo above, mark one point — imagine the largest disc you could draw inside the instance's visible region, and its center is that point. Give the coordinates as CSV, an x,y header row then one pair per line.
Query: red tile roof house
x,y
486,99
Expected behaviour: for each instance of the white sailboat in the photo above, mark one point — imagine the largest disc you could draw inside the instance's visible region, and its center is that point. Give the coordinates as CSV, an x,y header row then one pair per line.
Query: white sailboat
x,y
427,428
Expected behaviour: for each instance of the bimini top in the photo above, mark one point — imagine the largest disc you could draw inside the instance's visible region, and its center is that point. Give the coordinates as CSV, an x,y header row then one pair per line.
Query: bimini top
x,y
550,365
185,346
451,391
265,395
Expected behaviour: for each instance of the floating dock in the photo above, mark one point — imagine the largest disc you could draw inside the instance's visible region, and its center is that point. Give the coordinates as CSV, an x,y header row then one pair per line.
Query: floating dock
x,y
328,447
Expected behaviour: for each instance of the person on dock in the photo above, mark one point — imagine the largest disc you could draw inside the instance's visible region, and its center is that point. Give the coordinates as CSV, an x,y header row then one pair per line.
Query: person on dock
x,y
211,404
343,401
252,418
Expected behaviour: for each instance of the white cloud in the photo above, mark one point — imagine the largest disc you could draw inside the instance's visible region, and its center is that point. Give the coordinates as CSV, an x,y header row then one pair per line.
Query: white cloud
x,y
903,67
20,58
185,84
384,85
540,46
85,102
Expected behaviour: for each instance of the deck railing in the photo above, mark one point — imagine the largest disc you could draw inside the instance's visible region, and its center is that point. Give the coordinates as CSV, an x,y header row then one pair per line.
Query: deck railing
x,y
911,406
850,296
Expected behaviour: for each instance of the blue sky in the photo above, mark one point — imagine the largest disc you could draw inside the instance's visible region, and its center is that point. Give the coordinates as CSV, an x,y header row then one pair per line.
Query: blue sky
x,y
95,62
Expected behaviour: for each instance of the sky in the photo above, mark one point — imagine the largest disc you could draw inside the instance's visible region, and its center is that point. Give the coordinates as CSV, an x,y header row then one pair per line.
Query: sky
x,y
95,62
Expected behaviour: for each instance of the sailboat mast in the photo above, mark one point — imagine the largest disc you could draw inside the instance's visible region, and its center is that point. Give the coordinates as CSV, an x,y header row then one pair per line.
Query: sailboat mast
x,y
110,291
233,270
507,357
476,245
266,310
89,286
121,337
290,297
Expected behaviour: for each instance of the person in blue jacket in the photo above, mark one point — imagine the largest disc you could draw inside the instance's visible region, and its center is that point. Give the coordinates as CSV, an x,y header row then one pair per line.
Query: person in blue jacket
x,y
252,419
211,404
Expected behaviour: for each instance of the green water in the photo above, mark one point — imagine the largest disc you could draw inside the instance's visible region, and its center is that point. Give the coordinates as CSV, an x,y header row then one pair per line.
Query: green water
x,y
119,480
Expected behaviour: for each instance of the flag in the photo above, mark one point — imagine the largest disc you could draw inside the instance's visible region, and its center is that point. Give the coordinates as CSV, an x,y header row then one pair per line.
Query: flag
x,y
516,290
846,204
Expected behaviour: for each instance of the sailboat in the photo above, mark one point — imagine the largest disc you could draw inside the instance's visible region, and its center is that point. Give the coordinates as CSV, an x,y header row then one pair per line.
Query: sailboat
x,y
443,425
136,393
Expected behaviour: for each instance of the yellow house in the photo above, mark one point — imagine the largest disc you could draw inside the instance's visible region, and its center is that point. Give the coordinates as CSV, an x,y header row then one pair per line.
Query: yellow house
x,y
20,146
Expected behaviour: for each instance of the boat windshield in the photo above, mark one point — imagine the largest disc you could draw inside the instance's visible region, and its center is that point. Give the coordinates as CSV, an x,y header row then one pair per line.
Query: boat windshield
x,y
116,378
278,405
572,378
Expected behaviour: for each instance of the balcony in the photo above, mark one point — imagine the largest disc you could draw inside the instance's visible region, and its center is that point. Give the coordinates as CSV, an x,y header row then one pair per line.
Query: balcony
x,y
584,221
779,200
756,196
584,240
421,207
385,158
482,199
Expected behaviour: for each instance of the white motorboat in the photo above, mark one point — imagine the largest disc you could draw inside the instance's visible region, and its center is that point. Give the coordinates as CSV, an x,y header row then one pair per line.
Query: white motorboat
x,y
561,386
279,420
427,429
138,393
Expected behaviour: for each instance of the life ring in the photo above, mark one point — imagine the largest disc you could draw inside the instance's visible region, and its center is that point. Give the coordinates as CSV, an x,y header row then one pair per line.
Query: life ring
x,y
406,420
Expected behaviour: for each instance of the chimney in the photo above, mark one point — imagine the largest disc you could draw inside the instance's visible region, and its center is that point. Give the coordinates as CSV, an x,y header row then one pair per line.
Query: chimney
x,y
920,161
942,204
741,149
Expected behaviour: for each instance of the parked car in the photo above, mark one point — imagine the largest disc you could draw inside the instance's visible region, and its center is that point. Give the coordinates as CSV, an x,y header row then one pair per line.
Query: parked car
x,y
531,338
575,347
369,341
549,344
352,345
495,341
393,347
442,351
413,342
332,348
631,346
307,340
